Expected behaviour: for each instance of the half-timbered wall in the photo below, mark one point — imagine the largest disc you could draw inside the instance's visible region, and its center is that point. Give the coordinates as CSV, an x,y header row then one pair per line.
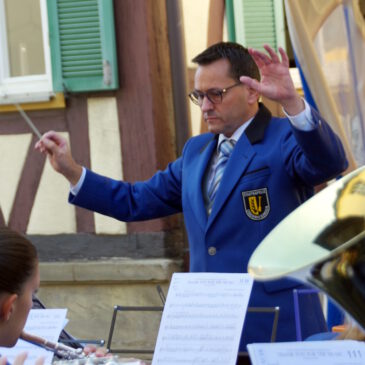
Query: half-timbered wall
x,y
127,134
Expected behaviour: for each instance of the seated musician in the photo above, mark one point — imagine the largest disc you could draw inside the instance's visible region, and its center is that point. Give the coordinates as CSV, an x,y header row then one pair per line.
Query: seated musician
x,y
19,280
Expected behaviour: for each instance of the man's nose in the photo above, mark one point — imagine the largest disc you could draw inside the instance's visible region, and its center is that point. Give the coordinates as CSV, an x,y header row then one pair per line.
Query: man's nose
x,y
206,104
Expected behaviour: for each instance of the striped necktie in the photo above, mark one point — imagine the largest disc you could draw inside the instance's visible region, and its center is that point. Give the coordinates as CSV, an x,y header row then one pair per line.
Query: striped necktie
x,y
225,149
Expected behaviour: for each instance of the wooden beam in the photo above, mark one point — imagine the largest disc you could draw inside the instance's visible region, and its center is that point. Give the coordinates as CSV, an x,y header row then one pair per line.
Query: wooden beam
x,y
144,100
215,22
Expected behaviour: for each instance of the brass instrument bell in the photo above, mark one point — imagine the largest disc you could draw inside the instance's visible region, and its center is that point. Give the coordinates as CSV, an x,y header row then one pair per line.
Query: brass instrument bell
x,y
322,242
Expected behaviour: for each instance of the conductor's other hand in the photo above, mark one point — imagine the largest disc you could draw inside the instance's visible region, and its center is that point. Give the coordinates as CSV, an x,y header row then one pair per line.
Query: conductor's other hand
x,y
58,151
276,83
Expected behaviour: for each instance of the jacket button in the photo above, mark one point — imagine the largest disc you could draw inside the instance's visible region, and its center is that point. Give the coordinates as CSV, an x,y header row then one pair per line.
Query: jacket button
x,y
212,251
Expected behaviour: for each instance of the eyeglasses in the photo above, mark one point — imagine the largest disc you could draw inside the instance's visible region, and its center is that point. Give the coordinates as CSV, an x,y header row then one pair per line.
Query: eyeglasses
x,y
215,96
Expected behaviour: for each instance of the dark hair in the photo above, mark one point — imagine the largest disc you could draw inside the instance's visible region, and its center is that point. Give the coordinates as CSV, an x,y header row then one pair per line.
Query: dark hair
x,y
18,259
242,64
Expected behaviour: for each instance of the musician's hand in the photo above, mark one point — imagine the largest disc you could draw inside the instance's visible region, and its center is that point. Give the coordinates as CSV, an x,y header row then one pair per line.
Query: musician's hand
x,y
3,360
97,351
20,359
352,332
59,154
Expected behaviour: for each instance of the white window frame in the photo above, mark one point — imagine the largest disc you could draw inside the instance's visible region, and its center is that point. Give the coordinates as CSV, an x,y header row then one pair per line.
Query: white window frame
x,y
25,89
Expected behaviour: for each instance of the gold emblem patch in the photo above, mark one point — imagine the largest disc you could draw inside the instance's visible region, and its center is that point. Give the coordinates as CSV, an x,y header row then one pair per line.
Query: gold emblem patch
x,y
256,203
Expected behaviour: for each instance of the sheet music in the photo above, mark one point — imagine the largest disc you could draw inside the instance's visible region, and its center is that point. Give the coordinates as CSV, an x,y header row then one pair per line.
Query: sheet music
x,y
202,319
343,352
46,323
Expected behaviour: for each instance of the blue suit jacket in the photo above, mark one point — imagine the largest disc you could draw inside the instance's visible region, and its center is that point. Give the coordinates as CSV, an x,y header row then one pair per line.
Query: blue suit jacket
x,y
272,170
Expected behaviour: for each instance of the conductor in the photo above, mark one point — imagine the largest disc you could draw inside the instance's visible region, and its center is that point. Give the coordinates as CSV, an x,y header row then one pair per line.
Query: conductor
x,y
234,183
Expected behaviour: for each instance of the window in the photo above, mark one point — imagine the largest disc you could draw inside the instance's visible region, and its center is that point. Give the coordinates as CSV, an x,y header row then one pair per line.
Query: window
x,y
254,23
25,64
50,46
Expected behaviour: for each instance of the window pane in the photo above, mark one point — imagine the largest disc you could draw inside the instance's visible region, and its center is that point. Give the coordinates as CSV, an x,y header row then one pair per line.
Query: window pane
x,y
24,36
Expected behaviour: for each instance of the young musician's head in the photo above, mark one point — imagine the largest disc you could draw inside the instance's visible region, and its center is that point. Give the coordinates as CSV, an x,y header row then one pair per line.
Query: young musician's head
x,y
19,280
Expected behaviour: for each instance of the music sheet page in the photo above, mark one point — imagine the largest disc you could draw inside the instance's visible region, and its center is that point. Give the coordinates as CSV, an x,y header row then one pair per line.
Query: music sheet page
x,y
46,323
202,319
344,352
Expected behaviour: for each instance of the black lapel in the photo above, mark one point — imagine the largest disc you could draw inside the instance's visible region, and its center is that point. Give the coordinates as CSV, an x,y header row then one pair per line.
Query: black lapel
x,y
256,130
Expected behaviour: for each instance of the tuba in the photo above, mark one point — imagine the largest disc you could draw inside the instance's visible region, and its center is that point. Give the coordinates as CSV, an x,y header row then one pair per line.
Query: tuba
x,y
322,242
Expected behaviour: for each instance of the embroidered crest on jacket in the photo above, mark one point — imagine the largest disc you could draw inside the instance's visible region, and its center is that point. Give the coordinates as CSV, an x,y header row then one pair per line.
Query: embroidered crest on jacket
x,y
256,203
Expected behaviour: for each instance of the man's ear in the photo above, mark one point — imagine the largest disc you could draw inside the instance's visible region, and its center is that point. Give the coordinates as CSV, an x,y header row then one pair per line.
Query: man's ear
x,y
7,306
252,96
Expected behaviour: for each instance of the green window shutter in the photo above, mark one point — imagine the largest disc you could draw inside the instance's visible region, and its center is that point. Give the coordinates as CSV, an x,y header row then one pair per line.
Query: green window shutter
x,y
82,41
257,22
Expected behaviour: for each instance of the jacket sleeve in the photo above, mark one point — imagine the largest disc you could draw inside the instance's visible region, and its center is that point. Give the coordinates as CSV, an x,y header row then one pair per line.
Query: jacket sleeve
x,y
319,155
157,197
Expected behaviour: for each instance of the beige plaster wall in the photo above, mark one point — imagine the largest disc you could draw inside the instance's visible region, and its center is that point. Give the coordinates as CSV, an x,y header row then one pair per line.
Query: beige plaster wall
x,y
106,155
13,152
51,212
195,16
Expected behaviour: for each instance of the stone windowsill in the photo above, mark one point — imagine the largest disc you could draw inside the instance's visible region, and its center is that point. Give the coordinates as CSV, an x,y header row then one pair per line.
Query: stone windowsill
x,y
116,270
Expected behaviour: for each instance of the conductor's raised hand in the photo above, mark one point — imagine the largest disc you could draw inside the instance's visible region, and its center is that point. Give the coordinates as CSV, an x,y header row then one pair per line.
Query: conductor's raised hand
x,y
59,154
276,83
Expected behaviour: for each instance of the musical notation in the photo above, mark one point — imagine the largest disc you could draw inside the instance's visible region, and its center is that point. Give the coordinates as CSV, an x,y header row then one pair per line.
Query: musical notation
x,y
47,323
344,352
203,319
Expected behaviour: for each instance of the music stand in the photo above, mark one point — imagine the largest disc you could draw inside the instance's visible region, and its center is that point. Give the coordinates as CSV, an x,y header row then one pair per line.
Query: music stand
x,y
117,309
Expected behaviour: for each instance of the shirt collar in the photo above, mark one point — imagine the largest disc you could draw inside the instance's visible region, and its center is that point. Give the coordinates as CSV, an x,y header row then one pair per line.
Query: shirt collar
x,y
237,133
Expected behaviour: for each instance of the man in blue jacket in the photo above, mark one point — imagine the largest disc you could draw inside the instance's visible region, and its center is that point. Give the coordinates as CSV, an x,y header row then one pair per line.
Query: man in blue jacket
x,y
233,184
